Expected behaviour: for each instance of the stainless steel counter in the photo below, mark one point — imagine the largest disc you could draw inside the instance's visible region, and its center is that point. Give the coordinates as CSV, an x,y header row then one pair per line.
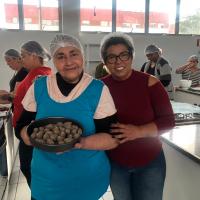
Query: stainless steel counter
x,y
185,139
187,96
191,91
10,150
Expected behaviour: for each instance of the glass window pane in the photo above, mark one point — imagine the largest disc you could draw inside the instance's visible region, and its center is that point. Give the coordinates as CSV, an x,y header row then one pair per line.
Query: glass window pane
x,y
189,17
9,16
162,16
31,14
130,16
50,15
41,15
96,15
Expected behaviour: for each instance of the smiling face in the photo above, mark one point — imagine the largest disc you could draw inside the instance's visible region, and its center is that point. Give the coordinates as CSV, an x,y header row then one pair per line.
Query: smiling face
x,y
69,63
120,68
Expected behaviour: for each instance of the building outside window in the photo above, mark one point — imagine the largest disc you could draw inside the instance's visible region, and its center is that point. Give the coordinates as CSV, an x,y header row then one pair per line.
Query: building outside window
x,y
162,16
98,13
9,16
40,15
129,14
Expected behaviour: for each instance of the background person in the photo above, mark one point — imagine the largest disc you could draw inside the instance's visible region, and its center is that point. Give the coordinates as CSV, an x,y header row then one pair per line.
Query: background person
x,y
33,58
190,71
159,67
101,71
83,173
143,112
13,59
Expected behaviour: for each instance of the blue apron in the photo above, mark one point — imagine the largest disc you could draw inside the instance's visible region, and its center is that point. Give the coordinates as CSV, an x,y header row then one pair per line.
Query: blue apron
x,y
77,174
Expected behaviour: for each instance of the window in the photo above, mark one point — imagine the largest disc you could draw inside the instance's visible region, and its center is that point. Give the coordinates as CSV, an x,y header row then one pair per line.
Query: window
x,y
130,16
31,15
162,15
43,14
9,16
161,25
152,25
98,13
189,17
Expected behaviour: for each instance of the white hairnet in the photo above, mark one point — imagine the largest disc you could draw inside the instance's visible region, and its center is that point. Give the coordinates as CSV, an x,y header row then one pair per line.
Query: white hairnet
x,y
193,57
35,47
151,49
113,39
64,40
12,53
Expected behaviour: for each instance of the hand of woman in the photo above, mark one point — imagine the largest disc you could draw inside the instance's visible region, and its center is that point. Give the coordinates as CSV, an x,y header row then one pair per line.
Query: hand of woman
x,y
25,137
190,65
5,97
125,132
100,141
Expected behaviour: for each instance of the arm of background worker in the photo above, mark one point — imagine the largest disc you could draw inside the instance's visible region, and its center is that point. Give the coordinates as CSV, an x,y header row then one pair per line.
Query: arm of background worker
x,y
165,74
5,97
180,69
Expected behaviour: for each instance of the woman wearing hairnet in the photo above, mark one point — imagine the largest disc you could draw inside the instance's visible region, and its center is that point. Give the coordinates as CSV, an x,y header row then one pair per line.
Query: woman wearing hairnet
x,y
33,58
190,70
82,173
13,60
143,112
159,67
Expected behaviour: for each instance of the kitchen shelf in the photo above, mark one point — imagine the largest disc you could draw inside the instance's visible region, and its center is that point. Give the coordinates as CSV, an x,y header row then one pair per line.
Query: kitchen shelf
x,y
92,58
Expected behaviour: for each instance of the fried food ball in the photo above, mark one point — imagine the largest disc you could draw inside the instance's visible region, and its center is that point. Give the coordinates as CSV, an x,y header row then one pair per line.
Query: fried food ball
x,y
56,134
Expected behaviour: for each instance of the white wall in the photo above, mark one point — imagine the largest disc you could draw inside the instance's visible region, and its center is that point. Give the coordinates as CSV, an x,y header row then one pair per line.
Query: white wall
x,y
175,48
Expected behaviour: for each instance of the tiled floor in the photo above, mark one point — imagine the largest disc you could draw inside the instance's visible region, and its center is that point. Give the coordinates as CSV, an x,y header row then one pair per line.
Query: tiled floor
x,y
19,190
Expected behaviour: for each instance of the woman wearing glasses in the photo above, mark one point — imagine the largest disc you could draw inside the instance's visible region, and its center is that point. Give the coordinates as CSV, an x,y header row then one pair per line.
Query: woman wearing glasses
x,y
82,173
143,112
190,70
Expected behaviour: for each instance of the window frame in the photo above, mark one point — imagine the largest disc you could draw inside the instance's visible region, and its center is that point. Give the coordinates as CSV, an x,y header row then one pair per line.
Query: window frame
x,y
147,12
21,18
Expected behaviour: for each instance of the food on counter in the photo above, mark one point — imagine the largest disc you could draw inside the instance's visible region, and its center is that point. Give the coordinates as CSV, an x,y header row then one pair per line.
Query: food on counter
x,y
185,84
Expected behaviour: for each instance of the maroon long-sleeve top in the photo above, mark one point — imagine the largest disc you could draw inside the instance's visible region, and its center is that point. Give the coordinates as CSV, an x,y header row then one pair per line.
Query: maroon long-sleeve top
x,y
138,104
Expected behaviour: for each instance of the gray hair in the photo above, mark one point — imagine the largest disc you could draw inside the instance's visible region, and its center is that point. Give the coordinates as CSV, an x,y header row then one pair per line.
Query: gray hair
x,y
152,49
12,53
64,40
113,39
35,47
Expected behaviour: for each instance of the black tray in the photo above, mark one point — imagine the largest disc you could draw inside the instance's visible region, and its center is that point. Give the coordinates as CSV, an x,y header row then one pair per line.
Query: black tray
x,y
53,147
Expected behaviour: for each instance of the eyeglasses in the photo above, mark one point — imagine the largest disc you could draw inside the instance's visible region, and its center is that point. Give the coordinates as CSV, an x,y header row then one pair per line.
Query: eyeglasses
x,y
124,56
